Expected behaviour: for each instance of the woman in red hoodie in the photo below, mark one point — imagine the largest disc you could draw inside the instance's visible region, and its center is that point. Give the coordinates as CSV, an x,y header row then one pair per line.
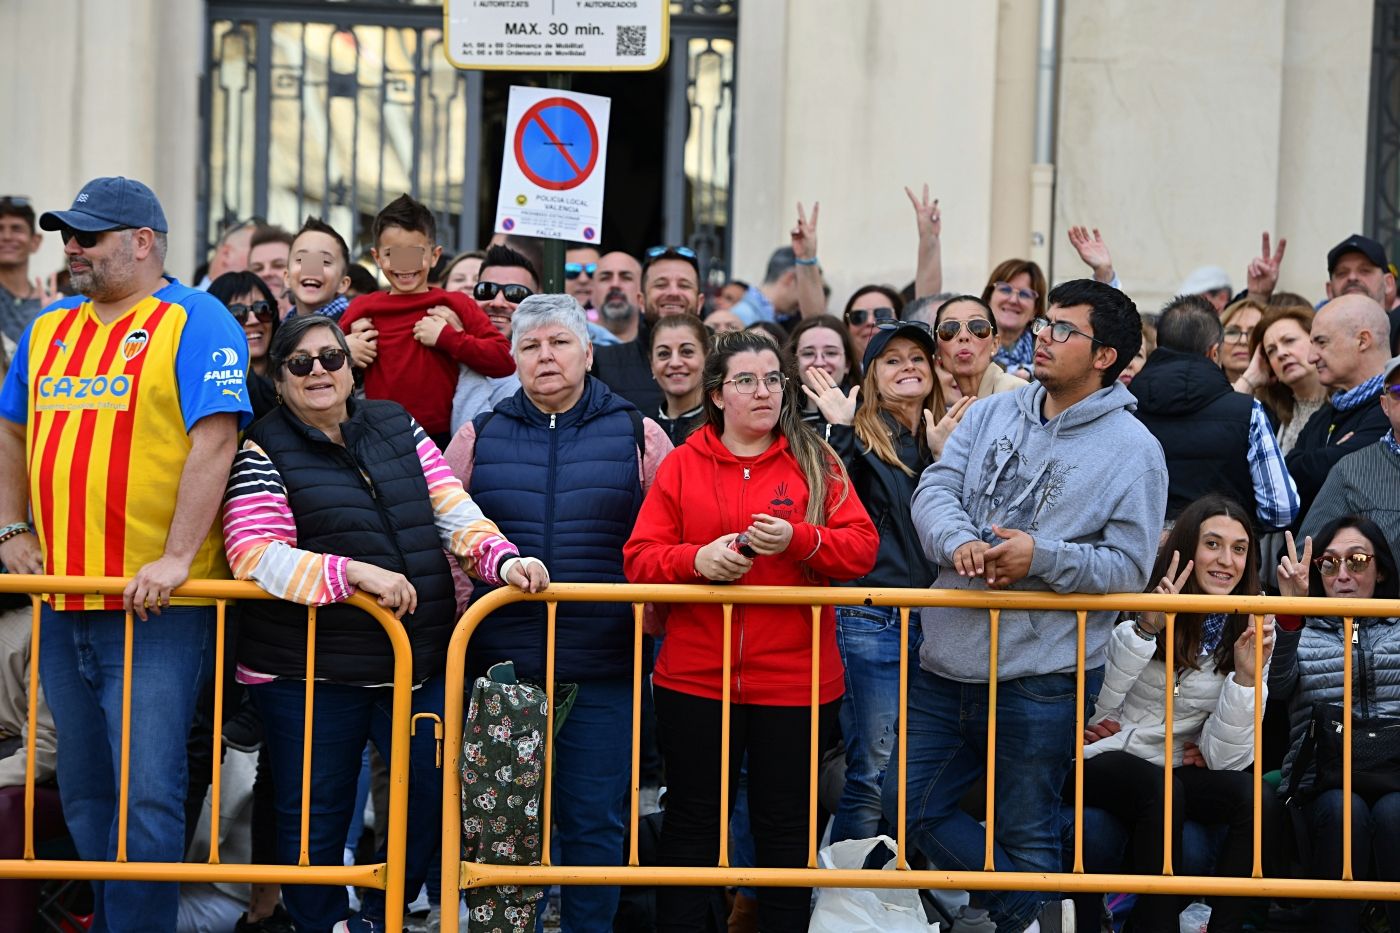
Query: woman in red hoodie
x,y
755,469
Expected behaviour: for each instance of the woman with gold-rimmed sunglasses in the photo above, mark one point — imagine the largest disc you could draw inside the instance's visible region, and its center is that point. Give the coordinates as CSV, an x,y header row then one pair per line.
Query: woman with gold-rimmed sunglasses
x,y
966,330
1350,558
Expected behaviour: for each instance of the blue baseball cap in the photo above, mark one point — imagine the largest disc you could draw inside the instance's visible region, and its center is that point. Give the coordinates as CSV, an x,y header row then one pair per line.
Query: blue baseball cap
x,y
108,204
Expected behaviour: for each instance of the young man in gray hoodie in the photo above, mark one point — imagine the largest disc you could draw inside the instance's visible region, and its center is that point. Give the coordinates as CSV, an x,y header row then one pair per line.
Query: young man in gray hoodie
x,y
1058,487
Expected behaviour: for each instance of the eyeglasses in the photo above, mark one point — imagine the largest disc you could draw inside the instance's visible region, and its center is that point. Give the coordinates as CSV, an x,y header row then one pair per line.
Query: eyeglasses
x,y
1025,294
1059,330
1356,564
300,364
485,291
747,383
260,309
573,270
1238,334
981,328
87,239
861,316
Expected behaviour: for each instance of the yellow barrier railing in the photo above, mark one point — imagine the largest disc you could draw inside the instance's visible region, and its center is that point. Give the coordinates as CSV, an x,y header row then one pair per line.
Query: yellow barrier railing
x,y
387,875
474,874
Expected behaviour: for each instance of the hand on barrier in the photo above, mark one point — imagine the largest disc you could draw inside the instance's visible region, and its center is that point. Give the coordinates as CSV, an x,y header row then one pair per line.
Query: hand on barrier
x,y
1292,569
769,534
715,561
150,588
393,589
21,554
968,558
528,574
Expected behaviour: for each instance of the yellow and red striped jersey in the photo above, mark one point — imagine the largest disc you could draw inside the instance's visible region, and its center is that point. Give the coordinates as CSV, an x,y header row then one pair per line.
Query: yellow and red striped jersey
x,y
107,410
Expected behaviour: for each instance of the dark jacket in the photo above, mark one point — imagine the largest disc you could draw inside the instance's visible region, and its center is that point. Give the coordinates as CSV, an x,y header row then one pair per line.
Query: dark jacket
x,y
368,501
678,429
1329,436
564,488
626,369
1202,424
887,493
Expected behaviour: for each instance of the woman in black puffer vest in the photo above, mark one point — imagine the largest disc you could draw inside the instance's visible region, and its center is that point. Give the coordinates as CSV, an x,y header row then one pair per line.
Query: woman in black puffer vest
x,y
329,495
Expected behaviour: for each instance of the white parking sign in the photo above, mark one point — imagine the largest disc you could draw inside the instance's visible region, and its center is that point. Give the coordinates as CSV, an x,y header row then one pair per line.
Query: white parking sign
x,y
558,35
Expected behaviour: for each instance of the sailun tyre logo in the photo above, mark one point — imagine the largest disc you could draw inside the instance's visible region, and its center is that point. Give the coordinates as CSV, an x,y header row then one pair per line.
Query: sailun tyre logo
x,y
225,357
134,343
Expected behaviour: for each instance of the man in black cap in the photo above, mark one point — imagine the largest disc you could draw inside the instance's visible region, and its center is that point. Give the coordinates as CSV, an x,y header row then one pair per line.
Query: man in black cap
x,y
1357,265
127,399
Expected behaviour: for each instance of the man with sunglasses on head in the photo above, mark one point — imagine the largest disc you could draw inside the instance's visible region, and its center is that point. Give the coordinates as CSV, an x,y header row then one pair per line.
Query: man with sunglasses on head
x,y
1053,487
670,284
1366,482
118,423
1216,440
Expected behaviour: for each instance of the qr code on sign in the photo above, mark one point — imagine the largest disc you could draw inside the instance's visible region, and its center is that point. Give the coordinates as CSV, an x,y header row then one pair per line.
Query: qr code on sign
x,y
631,40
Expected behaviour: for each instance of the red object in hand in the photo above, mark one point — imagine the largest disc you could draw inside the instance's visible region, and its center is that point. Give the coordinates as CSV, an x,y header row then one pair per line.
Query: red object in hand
x,y
742,546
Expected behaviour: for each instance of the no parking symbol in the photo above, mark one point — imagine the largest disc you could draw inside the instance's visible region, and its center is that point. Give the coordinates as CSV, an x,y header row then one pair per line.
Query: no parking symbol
x,y
554,165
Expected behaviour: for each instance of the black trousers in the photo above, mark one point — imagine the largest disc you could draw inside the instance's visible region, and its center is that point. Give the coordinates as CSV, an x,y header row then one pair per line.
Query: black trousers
x,y
776,740
1132,790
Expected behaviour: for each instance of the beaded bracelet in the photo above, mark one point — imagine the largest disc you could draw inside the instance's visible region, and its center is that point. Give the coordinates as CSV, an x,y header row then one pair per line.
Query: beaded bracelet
x,y
14,530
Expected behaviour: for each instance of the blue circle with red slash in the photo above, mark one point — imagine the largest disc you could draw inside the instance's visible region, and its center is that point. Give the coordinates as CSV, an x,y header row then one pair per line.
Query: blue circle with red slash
x,y
507,224
589,233
556,144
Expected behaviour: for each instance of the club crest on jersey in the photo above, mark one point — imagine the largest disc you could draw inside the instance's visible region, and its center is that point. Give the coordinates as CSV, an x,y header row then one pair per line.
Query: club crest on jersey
x,y
135,343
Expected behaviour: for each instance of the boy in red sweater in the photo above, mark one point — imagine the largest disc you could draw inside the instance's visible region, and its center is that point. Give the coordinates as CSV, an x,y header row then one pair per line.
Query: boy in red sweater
x,y
419,349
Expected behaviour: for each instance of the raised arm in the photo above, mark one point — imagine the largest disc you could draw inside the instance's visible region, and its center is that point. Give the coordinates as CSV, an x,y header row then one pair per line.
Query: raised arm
x,y
811,300
928,266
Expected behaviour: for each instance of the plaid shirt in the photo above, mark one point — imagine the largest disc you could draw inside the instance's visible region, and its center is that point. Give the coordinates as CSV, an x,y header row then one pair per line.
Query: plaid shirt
x,y
1275,493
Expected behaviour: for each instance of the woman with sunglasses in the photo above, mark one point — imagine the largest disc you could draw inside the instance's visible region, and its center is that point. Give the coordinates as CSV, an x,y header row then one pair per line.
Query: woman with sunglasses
x,y
330,495
250,300
780,512
966,330
1212,551
1016,294
1350,558
865,309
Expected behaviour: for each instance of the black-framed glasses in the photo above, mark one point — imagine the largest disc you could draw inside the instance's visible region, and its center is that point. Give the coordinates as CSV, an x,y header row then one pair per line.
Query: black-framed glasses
x,y
747,383
301,364
981,328
485,291
87,239
1059,330
859,317
1238,334
259,309
573,270
1356,564
899,325
1025,294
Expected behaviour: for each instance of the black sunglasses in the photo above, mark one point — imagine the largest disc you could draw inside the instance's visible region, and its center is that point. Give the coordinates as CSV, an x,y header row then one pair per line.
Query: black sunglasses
x,y
897,325
87,239
573,270
981,328
862,316
260,309
301,364
485,291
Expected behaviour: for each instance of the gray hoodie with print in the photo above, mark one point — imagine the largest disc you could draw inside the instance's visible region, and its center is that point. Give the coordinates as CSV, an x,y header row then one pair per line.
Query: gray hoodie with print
x,y
1089,486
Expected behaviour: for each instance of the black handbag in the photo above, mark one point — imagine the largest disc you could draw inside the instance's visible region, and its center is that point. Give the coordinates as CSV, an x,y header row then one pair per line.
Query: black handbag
x,y
1375,748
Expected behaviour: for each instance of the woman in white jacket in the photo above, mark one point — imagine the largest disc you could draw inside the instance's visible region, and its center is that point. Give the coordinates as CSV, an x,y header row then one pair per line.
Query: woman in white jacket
x,y
1213,720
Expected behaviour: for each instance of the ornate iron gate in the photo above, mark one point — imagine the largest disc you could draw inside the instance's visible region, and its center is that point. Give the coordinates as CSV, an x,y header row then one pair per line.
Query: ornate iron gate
x,y
333,108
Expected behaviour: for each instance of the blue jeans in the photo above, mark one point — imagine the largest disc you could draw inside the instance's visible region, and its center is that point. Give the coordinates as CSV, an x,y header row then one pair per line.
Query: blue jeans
x,y
345,718
947,735
868,637
1374,829
80,667
593,764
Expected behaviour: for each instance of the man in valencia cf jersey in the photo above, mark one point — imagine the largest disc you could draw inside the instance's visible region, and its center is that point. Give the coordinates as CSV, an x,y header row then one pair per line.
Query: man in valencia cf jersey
x,y
118,423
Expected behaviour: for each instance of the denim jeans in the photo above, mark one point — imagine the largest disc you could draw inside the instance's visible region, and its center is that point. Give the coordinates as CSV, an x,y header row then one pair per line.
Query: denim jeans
x,y
1375,827
593,764
947,736
344,719
868,637
80,667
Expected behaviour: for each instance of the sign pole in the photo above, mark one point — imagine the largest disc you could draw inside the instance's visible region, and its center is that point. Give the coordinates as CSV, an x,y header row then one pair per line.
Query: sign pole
x,y
552,275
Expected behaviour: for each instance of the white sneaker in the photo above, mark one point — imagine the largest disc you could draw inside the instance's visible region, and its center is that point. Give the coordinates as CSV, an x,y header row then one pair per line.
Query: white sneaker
x,y
435,919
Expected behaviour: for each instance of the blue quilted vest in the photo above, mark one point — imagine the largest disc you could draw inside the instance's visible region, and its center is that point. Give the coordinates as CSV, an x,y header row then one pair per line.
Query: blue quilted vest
x,y
564,488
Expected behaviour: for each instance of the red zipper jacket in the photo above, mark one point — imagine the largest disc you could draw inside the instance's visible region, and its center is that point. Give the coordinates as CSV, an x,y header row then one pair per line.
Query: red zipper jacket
x,y
703,491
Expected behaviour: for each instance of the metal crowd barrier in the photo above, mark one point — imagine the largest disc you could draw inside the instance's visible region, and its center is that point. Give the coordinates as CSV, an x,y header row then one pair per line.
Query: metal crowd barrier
x,y
474,874
387,875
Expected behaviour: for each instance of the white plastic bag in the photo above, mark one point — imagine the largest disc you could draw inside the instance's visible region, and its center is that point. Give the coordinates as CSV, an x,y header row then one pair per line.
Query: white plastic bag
x,y
1195,918
866,910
